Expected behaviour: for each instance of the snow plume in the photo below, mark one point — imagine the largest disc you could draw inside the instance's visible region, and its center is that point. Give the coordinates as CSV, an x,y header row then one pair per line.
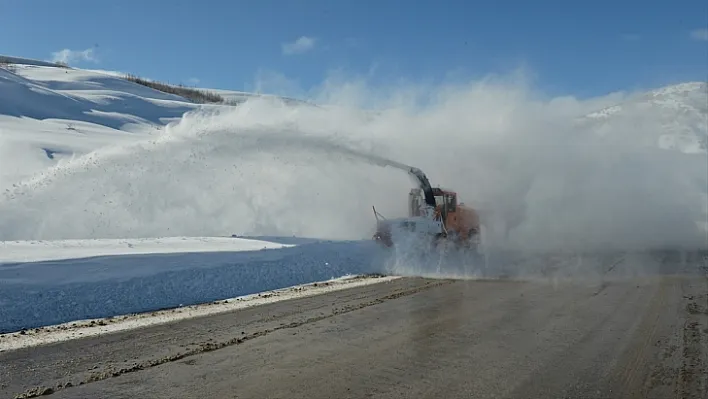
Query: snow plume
x,y
67,56
542,179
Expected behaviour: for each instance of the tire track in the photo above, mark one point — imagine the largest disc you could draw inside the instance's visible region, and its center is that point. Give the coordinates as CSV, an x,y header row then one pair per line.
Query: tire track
x,y
692,377
632,371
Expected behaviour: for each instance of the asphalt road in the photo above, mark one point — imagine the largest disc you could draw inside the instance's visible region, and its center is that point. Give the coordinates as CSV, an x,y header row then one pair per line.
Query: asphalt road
x,y
624,334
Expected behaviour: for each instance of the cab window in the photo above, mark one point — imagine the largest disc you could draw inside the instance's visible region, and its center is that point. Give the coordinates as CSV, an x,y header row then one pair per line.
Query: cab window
x,y
450,202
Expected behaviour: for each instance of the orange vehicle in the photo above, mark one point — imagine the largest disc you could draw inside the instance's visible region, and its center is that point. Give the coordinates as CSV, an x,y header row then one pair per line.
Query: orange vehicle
x,y
434,212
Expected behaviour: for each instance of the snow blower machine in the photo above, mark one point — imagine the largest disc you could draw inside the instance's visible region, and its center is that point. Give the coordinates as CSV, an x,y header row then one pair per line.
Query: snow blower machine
x,y
435,218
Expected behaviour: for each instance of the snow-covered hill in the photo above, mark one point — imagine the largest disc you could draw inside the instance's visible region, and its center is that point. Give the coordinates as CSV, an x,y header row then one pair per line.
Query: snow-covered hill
x,y
69,112
673,118
6,59
50,113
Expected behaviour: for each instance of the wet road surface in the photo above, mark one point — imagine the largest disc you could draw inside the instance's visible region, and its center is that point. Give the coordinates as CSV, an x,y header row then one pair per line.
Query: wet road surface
x,y
623,333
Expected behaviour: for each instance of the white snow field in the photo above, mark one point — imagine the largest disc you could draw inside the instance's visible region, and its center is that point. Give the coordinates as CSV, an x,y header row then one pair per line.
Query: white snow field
x,y
94,167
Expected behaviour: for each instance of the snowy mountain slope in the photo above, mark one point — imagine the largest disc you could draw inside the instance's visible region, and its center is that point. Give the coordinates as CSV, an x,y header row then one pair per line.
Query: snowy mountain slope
x,y
64,112
45,92
29,146
644,164
69,111
672,118
6,59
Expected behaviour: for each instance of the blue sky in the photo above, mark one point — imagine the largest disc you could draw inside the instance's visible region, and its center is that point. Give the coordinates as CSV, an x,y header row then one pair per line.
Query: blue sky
x,y
572,47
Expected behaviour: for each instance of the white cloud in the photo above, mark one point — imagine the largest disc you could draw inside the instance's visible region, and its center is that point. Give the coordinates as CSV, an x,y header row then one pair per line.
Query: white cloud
x,y
700,34
193,81
70,56
299,46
